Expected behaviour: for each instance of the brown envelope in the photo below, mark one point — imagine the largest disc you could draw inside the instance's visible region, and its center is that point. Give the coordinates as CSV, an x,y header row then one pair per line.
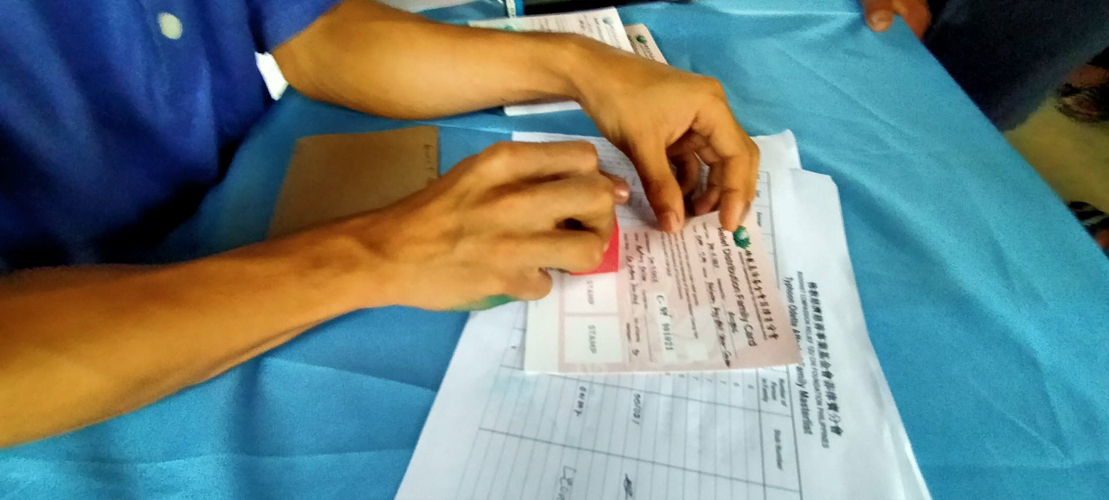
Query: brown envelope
x,y
333,176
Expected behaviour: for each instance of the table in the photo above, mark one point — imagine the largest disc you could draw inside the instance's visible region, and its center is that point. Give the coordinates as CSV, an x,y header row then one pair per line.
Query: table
x,y
986,303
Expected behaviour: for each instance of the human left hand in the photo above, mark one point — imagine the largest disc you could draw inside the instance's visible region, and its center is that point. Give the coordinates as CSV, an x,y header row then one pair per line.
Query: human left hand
x,y
659,115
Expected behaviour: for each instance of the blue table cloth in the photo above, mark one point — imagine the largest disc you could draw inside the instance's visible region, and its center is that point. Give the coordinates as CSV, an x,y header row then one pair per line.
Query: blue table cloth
x,y
987,304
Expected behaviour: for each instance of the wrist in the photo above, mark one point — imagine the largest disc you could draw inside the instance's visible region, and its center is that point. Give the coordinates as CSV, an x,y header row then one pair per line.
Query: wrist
x,y
331,268
571,61
377,258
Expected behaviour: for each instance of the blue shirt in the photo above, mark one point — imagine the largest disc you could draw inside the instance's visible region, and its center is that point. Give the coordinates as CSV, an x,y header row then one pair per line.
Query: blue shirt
x,y
116,116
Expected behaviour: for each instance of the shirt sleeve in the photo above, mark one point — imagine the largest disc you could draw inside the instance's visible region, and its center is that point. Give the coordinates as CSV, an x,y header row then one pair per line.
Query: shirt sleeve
x,y
274,22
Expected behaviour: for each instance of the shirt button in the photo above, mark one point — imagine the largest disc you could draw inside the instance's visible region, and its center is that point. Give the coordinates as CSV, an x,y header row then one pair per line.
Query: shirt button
x,y
170,25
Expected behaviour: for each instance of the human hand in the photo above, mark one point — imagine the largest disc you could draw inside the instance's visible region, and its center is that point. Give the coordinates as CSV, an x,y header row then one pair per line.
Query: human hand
x,y
659,115
491,226
879,14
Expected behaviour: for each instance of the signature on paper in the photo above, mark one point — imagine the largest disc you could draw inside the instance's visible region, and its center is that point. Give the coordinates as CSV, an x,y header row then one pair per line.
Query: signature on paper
x,y
566,483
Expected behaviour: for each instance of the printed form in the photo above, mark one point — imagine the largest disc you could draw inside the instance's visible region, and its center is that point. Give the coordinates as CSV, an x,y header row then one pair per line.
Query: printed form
x,y
691,301
825,429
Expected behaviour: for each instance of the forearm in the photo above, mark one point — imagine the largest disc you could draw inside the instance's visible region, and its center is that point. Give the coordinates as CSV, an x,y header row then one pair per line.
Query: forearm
x,y
383,61
81,345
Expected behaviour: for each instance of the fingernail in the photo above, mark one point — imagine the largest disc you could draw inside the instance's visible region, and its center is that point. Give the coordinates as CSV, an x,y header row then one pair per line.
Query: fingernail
x,y
671,223
881,20
623,192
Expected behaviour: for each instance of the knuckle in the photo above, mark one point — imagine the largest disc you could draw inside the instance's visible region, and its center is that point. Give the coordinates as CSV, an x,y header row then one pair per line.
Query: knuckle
x,y
713,86
591,253
754,154
501,250
533,286
584,155
511,203
468,165
607,198
586,149
499,154
594,258
495,284
543,286
502,148
603,191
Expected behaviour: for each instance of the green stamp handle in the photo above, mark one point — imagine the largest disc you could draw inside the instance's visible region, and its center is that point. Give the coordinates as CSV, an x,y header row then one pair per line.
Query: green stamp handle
x,y
742,239
486,303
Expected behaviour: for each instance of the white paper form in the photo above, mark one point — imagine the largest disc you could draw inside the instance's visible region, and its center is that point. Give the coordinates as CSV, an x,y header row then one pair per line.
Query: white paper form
x,y
842,402
496,431
500,433
643,43
689,301
603,25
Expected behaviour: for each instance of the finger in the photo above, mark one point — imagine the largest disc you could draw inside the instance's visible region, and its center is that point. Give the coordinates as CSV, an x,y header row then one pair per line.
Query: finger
x,y
710,199
689,142
878,14
692,142
620,188
736,199
569,250
916,15
659,184
587,199
532,284
516,161
739,161
689,172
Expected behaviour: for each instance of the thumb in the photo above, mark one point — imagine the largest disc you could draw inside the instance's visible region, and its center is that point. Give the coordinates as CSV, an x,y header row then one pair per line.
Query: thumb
x,y
659,183
878,14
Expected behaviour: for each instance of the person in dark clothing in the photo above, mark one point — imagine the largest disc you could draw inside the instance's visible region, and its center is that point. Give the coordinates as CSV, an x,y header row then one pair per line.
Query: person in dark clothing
x,y
1007,55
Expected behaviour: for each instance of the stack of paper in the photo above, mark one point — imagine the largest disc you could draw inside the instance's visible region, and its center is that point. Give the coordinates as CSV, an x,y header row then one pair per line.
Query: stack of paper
x,y
824,429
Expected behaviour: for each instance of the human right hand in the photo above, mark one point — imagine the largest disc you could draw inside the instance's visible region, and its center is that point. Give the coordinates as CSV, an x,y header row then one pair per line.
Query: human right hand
x,y
660,115
491,226
879,14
